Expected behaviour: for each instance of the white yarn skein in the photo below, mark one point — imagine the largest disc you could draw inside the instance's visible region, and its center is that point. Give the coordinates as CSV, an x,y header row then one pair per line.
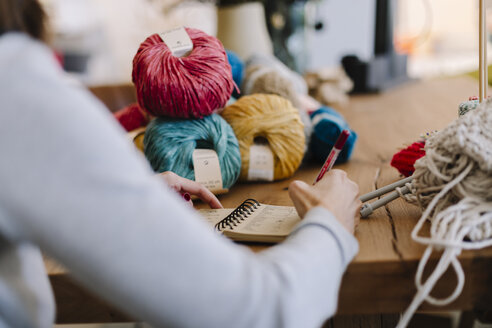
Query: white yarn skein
x,y
453,182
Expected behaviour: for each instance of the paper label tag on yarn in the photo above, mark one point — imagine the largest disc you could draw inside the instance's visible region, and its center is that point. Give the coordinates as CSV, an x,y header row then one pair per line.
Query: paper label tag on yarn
x,y
207,168
260,163
178,41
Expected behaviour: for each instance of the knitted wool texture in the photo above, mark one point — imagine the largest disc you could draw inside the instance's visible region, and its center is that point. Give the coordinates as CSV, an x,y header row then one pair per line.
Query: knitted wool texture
x,y
467,106
405,159
193,86
453,182
273,62
132,117
169,145
237,68
327,126
263,79
273,118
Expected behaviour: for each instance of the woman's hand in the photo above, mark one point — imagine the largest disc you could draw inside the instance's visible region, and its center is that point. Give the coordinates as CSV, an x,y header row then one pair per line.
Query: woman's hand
x,y
335,192
182,185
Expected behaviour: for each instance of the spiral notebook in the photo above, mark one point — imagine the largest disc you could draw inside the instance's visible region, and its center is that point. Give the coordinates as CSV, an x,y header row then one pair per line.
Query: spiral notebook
x,y
254,222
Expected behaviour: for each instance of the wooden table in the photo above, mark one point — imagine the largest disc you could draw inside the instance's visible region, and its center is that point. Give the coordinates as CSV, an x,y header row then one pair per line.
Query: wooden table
x,y
381,278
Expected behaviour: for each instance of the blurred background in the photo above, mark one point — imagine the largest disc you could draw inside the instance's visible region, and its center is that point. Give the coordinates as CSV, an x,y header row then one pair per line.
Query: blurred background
x,y
97,39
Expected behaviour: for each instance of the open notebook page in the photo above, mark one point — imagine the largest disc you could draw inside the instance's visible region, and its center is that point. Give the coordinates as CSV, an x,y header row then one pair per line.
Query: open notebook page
x,y
268,223
213,216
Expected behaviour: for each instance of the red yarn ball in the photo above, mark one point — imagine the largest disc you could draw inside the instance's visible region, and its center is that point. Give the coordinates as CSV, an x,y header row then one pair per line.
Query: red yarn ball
x,y
132,117
404,160
189,87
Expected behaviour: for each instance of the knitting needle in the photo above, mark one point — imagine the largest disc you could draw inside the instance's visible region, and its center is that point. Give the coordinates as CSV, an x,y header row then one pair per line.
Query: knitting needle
x,y
383,190
482,52
367,209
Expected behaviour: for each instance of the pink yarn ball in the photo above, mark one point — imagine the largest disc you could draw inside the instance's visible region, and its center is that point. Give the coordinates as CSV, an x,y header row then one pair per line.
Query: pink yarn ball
x,y
188,87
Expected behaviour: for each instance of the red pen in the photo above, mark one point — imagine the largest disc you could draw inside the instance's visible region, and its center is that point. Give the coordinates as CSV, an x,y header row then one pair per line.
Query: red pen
x,y
332,156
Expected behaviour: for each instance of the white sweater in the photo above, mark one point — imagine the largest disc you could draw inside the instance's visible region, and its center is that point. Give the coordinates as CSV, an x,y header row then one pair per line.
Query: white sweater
x,y
72,185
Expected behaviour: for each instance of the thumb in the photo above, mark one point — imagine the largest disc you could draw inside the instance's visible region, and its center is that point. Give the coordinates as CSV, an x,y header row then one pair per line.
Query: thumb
x,y
302,196
298,187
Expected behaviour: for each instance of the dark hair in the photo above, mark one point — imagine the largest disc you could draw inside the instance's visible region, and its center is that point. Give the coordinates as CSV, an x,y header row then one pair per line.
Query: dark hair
x,y
25,16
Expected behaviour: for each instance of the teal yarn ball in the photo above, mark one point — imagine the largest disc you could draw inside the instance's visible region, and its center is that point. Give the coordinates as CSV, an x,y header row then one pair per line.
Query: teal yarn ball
x,y
169,144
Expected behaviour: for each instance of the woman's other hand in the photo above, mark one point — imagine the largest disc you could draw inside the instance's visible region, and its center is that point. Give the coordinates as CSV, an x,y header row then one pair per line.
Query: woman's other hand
x,y
182,186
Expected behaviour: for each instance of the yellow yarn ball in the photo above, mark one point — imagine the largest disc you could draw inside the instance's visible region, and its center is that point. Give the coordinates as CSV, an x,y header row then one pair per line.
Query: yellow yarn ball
x,y
136,136
138,141
275,119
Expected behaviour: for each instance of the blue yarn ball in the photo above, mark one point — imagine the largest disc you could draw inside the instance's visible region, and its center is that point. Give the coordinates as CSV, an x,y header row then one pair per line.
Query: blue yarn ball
x,y
169,144
237,66
327,126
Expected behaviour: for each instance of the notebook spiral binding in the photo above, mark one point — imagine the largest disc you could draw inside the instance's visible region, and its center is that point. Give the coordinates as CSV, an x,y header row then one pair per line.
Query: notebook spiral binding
x,y
238,215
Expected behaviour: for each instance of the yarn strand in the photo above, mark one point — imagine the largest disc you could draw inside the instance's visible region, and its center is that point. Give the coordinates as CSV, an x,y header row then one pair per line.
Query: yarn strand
x,y
424,290
430,207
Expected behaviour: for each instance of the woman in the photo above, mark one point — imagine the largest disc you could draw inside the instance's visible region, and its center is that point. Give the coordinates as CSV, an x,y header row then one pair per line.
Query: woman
x,y
72,186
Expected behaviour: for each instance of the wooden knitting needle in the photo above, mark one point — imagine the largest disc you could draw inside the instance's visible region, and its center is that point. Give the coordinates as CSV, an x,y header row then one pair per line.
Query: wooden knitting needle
x,y
482,60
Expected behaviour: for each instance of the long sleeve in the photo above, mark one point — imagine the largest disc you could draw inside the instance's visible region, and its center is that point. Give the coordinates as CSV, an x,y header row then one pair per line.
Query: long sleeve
x,y
74,186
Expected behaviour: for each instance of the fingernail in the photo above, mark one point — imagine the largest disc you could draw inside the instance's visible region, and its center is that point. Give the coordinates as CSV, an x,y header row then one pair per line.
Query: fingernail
x,y
186,196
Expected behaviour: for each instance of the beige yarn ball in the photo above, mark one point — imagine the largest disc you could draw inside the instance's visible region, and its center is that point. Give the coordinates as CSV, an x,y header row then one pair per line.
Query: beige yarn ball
x,y
262,79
